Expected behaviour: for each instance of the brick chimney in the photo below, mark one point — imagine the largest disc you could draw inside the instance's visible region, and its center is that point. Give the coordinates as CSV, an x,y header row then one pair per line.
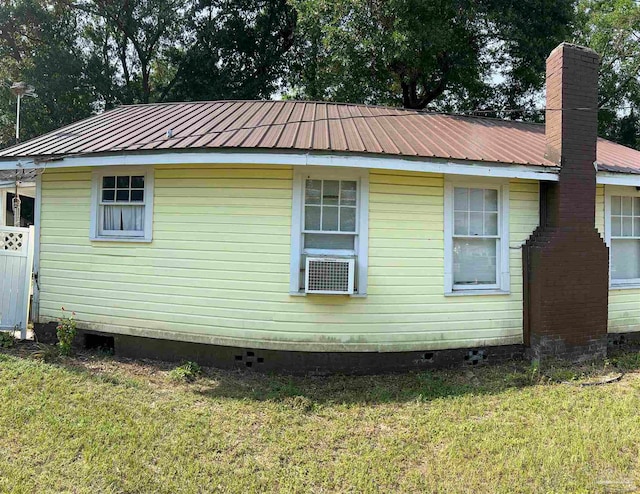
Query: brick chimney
x,y
566,262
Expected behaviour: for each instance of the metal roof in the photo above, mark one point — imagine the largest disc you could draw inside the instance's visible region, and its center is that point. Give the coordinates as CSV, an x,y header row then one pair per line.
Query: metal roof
x,y
307,126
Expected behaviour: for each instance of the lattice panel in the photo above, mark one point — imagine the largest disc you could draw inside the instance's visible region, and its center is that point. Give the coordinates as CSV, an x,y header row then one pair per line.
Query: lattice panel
x,y
12,241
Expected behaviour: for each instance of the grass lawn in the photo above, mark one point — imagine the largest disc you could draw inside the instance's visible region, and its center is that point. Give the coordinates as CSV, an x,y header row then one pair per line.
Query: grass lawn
x,y
98,424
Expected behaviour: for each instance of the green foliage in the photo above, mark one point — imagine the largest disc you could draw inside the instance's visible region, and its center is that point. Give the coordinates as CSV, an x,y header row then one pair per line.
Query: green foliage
x,y
84,56
89,55
7,339
440,53
432,386
612,28
189,372
39,45
280,388
130,40
66,330
627,361
239,50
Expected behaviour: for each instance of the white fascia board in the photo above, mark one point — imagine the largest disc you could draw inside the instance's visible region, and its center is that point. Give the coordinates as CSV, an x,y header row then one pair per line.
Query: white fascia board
x,y
469,168
608,178
23,186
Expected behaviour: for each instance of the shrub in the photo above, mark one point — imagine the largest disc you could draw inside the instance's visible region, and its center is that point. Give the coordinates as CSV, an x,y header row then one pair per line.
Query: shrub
x,y
189,371
6,339
66,330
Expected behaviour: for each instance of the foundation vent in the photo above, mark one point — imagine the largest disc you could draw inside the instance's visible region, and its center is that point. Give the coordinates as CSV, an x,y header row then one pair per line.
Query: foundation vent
x,y
330,275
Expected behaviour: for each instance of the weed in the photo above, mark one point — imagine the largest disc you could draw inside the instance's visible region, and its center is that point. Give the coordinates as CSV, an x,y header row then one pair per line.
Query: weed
x,y
627,361
46,353
189,372
299,403
280,389
6,339
432,386
533,374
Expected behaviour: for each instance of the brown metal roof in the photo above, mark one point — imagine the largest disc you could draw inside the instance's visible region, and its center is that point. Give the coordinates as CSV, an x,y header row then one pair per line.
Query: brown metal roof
x,y
307,126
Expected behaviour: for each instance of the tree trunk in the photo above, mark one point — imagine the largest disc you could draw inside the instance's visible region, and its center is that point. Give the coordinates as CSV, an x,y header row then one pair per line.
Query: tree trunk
x,y
146,91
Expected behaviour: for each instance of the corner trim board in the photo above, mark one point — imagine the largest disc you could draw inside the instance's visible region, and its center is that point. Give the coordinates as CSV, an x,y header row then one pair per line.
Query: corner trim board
x,y
37,213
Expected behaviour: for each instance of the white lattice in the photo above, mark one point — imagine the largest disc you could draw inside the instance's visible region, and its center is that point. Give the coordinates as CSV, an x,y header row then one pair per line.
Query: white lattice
x,y
13,241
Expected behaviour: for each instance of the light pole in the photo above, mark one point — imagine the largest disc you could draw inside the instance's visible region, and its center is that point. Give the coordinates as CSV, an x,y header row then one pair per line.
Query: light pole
x,y
19,89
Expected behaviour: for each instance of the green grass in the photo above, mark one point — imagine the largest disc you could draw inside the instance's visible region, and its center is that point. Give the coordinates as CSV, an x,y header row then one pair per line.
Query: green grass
x,y
96,424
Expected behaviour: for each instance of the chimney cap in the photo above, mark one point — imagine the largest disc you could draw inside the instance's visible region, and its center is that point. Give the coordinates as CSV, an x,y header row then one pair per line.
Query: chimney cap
x,y
585,50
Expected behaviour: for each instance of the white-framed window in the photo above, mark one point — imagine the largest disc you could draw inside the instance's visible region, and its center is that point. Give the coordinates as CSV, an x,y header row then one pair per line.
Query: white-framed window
x,y
122,204
329,218
476,236
622,234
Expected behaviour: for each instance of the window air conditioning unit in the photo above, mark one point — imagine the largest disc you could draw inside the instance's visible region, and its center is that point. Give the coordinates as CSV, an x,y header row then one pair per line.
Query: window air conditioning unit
x,y
330,275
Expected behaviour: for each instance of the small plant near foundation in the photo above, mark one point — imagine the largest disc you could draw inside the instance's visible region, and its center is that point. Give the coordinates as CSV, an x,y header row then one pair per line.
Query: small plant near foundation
x,y
628,361
189,372
533,373
66,330
46,353
6,339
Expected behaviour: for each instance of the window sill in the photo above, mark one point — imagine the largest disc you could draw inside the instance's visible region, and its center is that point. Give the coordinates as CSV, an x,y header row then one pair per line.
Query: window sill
x,y
302,294
629,286
466,293
137,240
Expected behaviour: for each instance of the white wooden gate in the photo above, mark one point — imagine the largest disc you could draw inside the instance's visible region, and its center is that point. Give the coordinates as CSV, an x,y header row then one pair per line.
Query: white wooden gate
x,y
16,263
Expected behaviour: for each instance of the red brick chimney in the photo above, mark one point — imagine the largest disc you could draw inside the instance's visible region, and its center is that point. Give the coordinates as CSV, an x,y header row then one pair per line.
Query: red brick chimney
x,y
566,261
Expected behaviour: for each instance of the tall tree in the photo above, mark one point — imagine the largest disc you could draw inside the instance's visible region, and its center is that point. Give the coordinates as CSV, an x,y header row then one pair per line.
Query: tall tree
x,y
238,50
38,44
612,28
437,54
136,33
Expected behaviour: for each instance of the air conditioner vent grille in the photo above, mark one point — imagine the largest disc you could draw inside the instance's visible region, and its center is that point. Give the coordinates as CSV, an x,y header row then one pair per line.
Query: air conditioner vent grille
x,y
329,275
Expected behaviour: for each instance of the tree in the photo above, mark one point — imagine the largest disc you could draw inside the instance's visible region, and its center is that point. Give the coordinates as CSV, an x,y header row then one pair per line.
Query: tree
x,y
38,44
84,56
612,28
136,33
438,54
238,50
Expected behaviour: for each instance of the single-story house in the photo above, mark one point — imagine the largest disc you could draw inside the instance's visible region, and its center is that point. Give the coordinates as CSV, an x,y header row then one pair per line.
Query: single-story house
x,y
310,235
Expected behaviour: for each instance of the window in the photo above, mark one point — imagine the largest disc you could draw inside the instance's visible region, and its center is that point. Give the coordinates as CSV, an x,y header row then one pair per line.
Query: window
x,y
330,214
476,237
122,205
329,219
624,236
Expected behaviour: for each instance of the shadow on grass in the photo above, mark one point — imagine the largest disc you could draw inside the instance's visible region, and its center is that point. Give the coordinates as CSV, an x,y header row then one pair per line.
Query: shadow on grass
x,y
423,386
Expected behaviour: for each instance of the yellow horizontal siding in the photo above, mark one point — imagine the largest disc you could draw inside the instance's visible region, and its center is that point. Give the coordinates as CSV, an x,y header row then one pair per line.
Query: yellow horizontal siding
x,y
600,209
624,304
217,270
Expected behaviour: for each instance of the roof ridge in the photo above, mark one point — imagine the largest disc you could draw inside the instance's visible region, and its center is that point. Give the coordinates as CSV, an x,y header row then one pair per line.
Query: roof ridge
x,y
337,103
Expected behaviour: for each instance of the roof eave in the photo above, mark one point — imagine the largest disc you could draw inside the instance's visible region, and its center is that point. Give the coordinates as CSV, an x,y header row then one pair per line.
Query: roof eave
x,y
291,157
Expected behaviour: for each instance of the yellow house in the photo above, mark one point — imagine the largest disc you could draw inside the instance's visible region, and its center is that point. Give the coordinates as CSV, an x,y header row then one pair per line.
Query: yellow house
x,y
313,235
